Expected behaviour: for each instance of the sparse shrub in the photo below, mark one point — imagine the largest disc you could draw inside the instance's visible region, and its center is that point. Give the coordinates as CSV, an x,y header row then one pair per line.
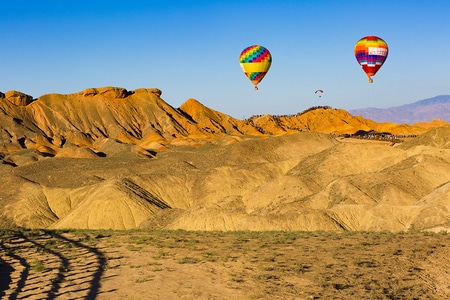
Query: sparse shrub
x,y
211,257
302,268
267,277
37,266
50,244
144,279
132,248
398,252
188,260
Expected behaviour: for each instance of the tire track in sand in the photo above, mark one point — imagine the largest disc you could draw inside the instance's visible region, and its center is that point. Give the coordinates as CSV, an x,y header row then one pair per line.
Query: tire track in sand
x,y
47,265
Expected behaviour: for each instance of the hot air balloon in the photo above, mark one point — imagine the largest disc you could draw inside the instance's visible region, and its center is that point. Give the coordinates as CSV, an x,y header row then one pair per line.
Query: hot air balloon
x,y
371,52
320,92
255,62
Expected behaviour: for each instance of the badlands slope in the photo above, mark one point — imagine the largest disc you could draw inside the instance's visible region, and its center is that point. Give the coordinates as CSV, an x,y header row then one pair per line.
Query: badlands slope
x,y
112,158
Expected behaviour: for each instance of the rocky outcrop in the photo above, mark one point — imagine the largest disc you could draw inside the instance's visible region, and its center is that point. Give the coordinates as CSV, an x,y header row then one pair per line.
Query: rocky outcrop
x,y
56,123
112,158
17,98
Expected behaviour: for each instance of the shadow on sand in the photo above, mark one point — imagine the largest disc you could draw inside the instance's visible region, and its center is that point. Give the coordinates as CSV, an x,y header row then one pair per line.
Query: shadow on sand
x,y
23,272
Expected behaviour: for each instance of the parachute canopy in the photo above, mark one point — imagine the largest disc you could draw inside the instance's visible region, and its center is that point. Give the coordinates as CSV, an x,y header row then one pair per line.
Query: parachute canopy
x,y
371,52
320,92
255,62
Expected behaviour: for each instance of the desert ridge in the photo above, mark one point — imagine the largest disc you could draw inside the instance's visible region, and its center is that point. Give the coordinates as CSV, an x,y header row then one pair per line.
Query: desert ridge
x,y
93,122
108,158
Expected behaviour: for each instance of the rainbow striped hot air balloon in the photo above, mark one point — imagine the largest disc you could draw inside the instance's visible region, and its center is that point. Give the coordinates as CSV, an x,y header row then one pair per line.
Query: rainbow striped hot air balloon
x,y
371,52
255,62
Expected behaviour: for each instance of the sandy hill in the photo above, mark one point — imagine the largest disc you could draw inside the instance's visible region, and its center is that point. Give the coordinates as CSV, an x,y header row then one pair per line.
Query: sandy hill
x,y
112,158
110,120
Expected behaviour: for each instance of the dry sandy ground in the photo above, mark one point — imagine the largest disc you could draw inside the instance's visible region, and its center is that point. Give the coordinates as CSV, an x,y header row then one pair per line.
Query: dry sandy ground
x,y
223,265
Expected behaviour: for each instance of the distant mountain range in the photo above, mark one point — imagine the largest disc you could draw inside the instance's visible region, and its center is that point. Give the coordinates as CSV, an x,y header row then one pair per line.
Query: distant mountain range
x,y
421,111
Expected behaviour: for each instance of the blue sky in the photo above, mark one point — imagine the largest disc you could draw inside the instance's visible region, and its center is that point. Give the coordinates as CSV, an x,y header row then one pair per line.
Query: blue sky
x,y
190,49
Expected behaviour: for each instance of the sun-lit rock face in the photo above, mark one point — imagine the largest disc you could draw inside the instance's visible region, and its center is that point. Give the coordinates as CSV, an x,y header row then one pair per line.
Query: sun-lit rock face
x,y
17,98
112,158
140,117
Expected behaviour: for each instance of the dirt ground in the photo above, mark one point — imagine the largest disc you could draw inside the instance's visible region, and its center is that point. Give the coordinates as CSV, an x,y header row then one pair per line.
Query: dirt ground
x,y
223,265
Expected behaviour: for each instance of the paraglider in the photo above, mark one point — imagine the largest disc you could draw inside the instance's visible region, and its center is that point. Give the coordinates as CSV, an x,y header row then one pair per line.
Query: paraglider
x,y
371,52
320,92
255,61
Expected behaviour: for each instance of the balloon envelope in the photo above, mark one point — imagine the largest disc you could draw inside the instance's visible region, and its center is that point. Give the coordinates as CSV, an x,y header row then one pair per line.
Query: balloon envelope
x,y
371,52
255,61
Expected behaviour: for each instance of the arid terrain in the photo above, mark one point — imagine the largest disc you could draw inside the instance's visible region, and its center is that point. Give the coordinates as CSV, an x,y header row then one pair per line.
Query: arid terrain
x,y
114,194
224,265
109,158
